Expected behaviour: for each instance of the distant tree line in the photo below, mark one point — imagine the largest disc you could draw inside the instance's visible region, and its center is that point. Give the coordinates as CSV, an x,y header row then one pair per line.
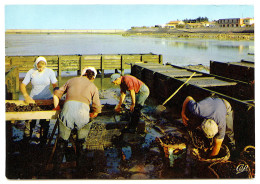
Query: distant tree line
x,y
199,19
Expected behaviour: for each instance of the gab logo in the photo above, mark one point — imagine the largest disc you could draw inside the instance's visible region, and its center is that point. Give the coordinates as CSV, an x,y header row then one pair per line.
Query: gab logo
x,y
241,168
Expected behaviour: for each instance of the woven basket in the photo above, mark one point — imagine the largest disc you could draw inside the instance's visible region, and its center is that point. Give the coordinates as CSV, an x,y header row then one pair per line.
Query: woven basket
x,y
229,169
245,155
172,152
197,156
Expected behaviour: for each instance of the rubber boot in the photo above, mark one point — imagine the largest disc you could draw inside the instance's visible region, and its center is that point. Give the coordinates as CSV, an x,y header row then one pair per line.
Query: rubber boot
x,y
80,153
60,152
135,117
45,125
81,162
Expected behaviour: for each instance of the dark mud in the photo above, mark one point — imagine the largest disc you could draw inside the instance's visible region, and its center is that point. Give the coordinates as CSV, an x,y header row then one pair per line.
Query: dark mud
x,y
109,152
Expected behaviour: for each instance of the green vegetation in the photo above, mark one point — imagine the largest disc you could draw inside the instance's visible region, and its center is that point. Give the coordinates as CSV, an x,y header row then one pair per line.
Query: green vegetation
x,y
197,20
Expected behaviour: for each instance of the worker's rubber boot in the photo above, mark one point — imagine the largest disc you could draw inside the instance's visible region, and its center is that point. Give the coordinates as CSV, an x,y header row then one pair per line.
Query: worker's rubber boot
x,y
135,117
60,152
80,161
45,125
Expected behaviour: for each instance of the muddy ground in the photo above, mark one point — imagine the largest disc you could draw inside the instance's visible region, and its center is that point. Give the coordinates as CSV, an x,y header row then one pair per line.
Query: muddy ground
x,y
110,152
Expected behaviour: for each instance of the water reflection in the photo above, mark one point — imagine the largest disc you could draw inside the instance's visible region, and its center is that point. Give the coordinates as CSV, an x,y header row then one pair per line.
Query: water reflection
x,y
240,48
186,45
178,51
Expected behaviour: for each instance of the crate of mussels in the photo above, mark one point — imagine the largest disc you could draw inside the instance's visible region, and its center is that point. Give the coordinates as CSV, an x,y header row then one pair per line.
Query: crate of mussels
x,y
174,147
19,110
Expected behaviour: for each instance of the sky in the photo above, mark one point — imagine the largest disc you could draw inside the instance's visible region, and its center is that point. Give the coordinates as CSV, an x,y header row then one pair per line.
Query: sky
x,y
114,16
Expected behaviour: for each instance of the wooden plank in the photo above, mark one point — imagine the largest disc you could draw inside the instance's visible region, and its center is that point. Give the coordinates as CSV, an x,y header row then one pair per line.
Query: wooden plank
x,y
180,74
90,57
38,102
208,82
150,58
111,57
131,57
166,69
151,65
31,115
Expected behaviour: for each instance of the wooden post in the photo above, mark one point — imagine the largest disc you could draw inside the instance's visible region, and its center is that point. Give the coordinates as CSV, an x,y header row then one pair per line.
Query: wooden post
x,y
102,66
59,71
102,71
160,59
80,66
122,66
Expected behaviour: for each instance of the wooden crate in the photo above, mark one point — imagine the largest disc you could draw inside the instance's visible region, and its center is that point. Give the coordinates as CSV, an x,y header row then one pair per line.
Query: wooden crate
x,y
31,115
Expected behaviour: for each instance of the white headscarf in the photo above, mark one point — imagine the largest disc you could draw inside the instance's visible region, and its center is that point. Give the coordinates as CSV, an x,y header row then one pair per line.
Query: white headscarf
x,y
89,68
38,60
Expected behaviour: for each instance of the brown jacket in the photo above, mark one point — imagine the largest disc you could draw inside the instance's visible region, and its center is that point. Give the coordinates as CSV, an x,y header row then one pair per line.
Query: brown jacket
x,y
81,89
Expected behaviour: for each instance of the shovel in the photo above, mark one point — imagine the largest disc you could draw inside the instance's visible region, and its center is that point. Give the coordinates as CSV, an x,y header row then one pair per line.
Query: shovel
x,y
160,108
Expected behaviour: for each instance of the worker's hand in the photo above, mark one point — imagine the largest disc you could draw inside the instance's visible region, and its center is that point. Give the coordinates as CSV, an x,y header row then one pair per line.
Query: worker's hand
x,y
184,118
118,108
56,108
132,107
93,115
29,100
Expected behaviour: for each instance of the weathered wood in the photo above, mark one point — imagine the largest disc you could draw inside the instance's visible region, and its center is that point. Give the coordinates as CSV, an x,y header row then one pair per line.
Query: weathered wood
x,y
163,85
243,71
208,82
77,62
61,63
12,83
31,115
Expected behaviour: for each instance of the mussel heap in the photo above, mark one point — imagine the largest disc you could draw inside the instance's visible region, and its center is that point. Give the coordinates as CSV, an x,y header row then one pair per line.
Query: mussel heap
x,y
200,141
171,139
205,153
12,107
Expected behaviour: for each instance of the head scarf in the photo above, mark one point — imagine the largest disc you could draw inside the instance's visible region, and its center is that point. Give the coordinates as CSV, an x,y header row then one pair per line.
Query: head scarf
x,y
209,127
89,68
38,60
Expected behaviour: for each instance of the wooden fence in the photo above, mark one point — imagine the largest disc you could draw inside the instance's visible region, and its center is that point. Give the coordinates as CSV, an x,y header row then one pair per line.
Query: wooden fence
x,y
101,62
59,63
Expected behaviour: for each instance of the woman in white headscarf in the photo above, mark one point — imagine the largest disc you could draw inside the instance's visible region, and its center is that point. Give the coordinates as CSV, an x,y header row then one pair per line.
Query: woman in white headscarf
x,y
40,77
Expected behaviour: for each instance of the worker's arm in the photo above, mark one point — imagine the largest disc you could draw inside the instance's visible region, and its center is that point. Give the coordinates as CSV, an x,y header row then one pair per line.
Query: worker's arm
x,y
96,106
54,85
132,93
183,115
216,147
27,98
56,101
122,98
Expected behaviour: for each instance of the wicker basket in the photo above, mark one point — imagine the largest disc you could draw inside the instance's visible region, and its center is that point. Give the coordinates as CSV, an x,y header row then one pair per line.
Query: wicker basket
x,y
229,169
248,155
172,152
197,156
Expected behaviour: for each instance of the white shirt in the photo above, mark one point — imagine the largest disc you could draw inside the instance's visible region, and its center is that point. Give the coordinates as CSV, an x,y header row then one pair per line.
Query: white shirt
x,y
40,83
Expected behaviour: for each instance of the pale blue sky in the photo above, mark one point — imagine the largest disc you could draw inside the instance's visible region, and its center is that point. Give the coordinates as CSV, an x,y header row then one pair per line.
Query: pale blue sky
x,y
113,16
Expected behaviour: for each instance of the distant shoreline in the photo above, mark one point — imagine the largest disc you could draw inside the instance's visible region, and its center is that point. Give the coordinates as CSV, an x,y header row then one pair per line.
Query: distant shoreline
x,y
64,31
203,33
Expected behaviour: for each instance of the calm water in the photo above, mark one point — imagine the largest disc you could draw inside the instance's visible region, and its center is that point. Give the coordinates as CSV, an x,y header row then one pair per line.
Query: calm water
x,y
174,50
